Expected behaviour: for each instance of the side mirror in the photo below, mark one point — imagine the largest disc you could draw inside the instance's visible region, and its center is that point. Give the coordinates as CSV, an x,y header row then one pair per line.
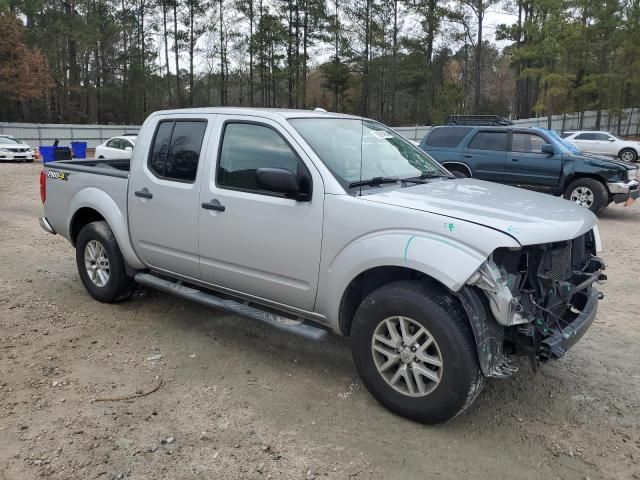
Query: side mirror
x,y
128,149
548,149
280,180
612,139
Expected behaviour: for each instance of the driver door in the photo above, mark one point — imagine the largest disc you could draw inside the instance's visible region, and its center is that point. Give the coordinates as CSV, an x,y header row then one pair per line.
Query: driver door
x,y
256,242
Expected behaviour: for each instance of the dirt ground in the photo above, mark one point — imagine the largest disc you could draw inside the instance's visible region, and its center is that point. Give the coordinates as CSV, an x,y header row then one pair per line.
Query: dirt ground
x,y
241,401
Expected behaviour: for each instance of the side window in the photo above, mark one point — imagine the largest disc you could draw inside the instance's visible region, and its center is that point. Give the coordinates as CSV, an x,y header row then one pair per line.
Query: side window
x,y
496,141
586,136
603,137
446,136
247,147
176,149
114,143
527,143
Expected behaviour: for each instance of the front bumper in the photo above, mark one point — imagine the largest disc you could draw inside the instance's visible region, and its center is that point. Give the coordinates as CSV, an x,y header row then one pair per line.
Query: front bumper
x,y
623,191
566,336
17,156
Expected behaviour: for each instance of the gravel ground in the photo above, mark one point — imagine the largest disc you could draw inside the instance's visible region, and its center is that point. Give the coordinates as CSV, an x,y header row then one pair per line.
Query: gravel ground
x,y
239,400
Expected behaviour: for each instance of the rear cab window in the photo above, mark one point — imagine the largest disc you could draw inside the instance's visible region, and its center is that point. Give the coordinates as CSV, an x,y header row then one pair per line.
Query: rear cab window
x,y
445,136
175,151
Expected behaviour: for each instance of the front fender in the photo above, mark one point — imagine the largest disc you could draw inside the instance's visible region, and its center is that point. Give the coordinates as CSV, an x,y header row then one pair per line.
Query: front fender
x,y
444,258
101,202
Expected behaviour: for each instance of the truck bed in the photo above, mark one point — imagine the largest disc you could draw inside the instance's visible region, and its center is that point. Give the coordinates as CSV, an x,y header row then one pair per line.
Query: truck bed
x,y
112,168
99,183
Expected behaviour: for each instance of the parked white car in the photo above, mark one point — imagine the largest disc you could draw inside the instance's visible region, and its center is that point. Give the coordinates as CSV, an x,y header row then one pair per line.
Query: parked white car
x,y
117,148
604,143
13,149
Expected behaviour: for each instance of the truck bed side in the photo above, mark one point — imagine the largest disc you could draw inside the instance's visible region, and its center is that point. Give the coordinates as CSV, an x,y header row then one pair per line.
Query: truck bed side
x,y
84,188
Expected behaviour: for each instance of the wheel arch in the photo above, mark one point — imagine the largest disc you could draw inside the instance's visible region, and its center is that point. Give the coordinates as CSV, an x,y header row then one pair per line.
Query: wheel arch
x,y
458,166
572,177
92,204
629,148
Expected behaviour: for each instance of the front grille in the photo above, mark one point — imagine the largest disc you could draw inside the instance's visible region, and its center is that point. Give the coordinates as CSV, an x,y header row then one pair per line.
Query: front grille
x,y
561,262
18,150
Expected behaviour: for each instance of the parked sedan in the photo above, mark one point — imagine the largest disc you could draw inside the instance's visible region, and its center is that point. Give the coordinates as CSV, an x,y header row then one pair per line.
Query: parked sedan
x,y
13,149
603,143
117,148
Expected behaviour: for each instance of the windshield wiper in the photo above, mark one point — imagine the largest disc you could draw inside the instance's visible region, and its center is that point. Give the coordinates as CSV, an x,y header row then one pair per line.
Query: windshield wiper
x,y
424,177
374,182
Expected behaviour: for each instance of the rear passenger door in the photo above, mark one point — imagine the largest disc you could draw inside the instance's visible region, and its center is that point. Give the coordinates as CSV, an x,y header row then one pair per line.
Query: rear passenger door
x,y
486,154
528,165
164,194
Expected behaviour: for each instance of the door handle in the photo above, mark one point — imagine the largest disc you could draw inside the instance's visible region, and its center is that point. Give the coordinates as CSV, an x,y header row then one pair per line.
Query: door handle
x,y
468,156
515,159
144,193
214,205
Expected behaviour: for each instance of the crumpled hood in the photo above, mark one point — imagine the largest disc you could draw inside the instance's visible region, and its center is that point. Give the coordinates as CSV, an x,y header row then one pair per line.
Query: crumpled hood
x,y
529,217
603,161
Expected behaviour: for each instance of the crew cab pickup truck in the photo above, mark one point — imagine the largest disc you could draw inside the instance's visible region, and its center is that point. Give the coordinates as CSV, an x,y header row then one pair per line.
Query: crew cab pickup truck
x,y
317,222
533,158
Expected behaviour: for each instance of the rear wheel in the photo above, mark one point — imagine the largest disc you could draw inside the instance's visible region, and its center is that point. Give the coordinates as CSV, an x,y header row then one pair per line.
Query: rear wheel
x,y
415,352
628,155
588,193
100,264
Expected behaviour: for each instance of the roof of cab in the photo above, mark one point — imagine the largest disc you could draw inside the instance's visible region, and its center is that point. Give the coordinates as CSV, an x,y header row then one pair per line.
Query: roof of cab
x,y
272,113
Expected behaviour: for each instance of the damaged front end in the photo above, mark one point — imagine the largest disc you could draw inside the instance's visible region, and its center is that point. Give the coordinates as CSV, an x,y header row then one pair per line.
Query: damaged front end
x,y
541,298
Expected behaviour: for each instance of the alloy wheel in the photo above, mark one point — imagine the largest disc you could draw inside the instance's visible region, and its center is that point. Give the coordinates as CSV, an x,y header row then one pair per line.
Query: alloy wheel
x,y
96,262
407,356
583,196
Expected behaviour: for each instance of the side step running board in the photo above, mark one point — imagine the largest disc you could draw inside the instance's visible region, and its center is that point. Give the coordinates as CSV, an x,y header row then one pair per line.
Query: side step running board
x,y
295,326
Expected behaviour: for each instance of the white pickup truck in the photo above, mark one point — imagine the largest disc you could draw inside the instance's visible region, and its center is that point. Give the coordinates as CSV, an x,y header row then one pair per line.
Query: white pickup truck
x,y
314,222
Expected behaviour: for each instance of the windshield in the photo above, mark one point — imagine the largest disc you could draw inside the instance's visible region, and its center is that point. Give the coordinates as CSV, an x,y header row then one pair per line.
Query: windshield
x,y
9,141
358,150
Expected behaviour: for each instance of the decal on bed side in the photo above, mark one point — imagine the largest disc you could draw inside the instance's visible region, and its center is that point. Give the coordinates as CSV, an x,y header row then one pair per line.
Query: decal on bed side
x,y
58,175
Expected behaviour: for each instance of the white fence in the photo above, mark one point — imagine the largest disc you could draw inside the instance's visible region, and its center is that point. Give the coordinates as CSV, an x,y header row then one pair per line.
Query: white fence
x,y
37,134
46,133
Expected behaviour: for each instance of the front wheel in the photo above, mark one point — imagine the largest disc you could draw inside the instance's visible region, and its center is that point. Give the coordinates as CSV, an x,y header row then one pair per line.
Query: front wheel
x,y
629,155
415,352
589,193
100,264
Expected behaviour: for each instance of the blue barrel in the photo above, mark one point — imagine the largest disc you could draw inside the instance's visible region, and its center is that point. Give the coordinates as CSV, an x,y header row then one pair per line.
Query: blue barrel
x,y
79,149
48,153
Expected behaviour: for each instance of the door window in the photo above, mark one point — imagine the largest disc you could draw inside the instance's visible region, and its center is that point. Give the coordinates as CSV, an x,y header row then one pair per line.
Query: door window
x,y
114,143
496,141
527,143
247,147
176,149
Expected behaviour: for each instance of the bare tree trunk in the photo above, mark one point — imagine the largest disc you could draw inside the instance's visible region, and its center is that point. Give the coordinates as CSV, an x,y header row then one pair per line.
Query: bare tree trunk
x,y
176,52
166,47
223,85
478,61
191,49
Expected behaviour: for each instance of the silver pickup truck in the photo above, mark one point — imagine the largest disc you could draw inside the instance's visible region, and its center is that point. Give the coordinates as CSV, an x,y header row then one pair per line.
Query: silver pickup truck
x,y
314,222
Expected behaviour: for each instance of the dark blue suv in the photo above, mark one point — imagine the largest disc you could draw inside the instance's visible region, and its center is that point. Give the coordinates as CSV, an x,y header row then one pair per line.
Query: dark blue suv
x,y
533,158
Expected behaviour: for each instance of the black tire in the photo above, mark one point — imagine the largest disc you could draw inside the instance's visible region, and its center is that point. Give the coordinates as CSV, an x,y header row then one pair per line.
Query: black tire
x,y
432,307
597,188
118,286
100,157
630,152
